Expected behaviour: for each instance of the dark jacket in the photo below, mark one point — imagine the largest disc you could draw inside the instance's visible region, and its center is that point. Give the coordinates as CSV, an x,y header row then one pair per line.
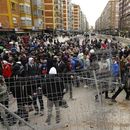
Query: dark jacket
x,y
20,90
53,87
31,70
61,67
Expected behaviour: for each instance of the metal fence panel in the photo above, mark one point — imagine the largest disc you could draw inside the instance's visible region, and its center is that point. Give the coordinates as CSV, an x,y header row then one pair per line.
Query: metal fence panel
x,y
30,108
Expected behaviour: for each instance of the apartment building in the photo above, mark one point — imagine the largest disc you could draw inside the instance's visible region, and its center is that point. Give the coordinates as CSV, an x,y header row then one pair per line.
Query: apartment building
x,y
9,15
109,20
53,14
49,14
98,24
58,14
83,22
21,15
37,14
76,17
70,16
65,14
25,14
124,16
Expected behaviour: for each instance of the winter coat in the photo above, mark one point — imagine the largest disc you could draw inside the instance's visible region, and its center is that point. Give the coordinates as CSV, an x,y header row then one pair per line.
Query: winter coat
x,y
31,70
61,67
115,69
76,64
7,70
53,87
127,70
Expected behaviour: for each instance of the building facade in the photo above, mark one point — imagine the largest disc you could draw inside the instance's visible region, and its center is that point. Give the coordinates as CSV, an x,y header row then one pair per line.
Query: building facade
x,y
76,17
70,16
58,11
53,14
83,22
9,14
98,24
124,17
49,14
65,15
36,15
108,22
25,14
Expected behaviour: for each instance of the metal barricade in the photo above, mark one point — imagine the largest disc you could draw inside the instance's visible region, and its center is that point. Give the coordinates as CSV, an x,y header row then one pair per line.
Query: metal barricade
x,y
77,110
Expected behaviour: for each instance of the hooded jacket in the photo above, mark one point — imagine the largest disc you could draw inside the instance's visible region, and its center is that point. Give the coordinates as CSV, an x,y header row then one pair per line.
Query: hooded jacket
x,y
6,69
53,86
31,69
115,69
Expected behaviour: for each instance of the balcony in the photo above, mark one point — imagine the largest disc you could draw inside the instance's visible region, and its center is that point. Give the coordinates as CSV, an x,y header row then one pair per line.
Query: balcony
x,y
58,14
37,3
26,9
38,13
57,7
57,2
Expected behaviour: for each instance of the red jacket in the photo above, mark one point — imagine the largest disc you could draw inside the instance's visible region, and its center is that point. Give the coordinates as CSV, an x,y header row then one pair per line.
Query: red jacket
x,y
104,46
7,70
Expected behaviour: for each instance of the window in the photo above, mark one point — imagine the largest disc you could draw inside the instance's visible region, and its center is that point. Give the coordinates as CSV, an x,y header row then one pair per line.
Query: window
x,y
40,13
26,21
14,20
28,9
25,9
13,6
22,8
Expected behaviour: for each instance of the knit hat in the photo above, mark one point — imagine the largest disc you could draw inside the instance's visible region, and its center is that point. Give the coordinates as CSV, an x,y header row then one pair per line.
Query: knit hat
x,y
92,51
30,60
53,71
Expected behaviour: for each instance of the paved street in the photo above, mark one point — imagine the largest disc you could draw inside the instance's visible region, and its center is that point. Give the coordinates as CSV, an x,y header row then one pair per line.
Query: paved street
x,y
123,41
85,114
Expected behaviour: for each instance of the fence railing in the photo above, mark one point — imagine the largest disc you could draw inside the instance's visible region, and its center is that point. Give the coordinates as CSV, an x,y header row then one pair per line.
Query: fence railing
x,y
29,91
5,110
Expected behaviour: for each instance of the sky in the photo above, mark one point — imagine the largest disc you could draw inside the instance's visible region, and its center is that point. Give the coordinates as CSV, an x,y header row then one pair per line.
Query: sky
x,y
92,9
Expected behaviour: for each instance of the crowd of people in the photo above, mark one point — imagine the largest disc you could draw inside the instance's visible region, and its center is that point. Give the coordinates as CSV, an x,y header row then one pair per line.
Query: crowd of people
x,y
33,66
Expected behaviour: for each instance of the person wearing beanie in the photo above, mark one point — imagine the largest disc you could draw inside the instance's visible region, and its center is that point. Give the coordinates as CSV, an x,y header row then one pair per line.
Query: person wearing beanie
x,y
54,91
53,71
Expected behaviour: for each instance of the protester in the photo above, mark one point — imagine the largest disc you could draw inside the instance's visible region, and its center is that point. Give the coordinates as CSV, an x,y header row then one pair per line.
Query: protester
x,y
54,91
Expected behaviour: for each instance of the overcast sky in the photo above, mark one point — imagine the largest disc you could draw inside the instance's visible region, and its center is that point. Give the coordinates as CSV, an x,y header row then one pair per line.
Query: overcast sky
x,y
91,8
